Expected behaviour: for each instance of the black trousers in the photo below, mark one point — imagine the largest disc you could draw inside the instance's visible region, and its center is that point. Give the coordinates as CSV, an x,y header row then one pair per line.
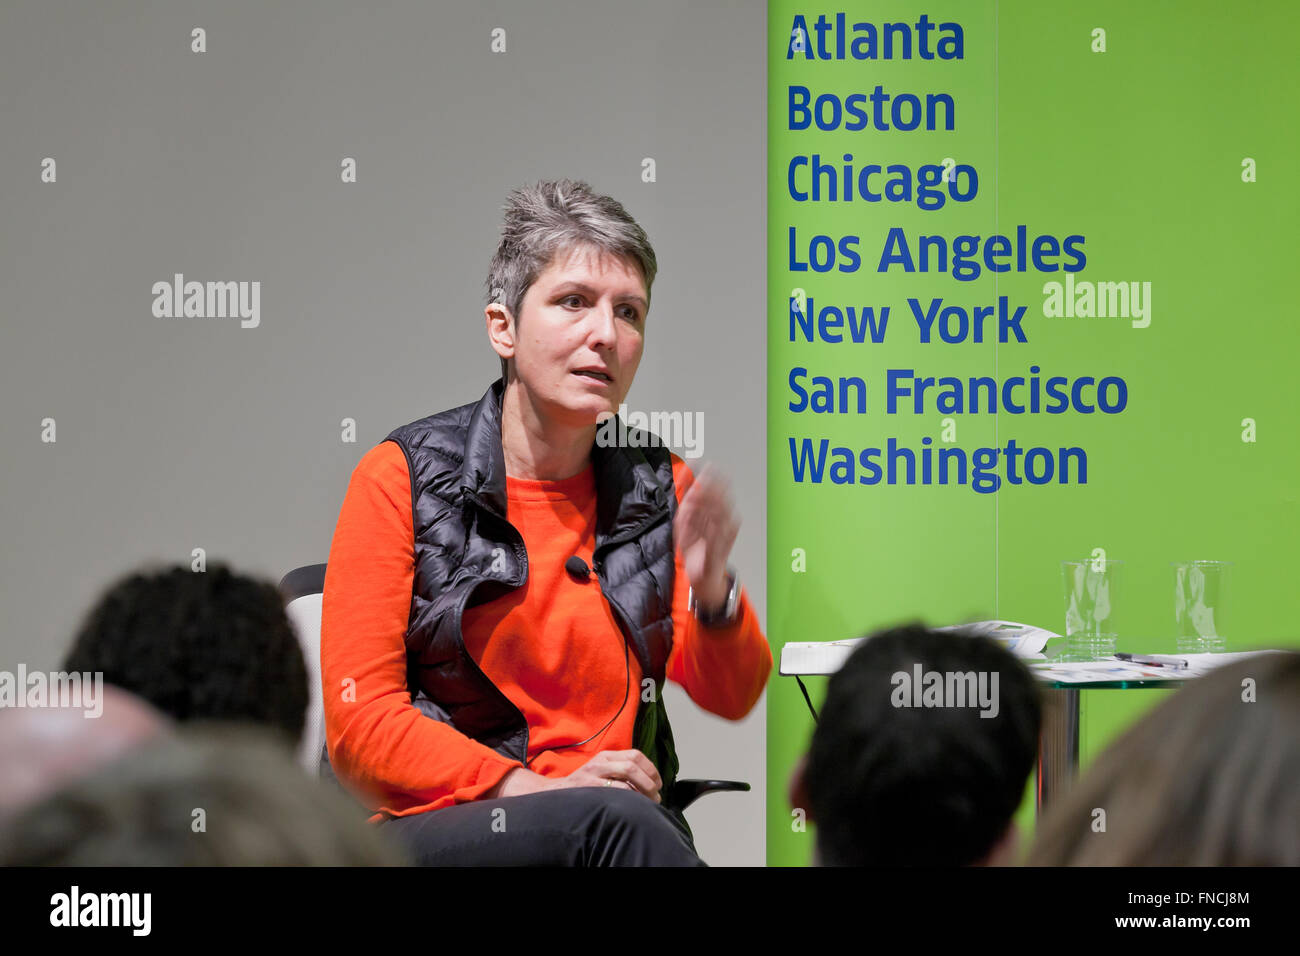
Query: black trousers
x,y
582,826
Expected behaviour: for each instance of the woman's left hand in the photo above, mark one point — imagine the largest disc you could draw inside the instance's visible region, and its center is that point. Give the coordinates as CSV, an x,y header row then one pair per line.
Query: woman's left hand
x,y
704,531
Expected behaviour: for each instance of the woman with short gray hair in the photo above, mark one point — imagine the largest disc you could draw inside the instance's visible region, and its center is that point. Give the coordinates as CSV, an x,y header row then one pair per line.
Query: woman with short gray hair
x,y
506,595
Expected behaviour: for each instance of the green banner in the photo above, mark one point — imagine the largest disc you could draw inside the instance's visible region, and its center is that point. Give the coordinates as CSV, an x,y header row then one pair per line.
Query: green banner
x,y
1027,280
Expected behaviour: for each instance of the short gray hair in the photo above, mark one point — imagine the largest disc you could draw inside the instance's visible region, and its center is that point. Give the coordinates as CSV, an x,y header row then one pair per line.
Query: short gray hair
x,y
552,217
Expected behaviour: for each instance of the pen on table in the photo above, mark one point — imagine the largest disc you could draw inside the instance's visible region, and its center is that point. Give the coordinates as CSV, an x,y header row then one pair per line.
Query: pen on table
x,y
1151,661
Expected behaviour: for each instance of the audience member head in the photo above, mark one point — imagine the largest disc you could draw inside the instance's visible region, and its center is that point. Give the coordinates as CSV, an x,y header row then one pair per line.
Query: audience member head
x,y
921,753
44,748
198,645
210,796
1210,777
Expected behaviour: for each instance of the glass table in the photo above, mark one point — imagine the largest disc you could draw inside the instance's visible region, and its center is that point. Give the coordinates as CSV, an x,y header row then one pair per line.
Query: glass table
x,y
1058,742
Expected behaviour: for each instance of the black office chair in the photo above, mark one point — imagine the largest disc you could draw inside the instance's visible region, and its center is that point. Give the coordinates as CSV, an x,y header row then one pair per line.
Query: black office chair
x,y
302,590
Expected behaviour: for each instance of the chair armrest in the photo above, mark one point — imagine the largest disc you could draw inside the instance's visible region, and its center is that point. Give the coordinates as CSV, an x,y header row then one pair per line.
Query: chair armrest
x,y
686,792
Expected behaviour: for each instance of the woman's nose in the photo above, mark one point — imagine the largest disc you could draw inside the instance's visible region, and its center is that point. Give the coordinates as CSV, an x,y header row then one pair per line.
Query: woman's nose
x,y
604,327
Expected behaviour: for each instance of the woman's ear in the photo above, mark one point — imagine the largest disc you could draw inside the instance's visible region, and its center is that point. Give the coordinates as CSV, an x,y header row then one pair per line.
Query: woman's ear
x,y
500,329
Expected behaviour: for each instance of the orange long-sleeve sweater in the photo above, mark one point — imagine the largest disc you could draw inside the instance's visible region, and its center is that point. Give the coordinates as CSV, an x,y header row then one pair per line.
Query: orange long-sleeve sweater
x,y
552,646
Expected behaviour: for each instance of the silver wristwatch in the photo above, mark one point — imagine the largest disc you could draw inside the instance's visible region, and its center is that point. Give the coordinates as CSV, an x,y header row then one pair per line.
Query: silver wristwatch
x,y
730,608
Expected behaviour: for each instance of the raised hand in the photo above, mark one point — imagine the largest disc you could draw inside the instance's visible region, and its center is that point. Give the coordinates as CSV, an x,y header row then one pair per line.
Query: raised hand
x,y
704,531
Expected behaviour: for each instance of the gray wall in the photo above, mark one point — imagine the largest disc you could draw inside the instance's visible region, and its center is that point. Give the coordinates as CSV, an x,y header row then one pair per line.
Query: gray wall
x,y
174,434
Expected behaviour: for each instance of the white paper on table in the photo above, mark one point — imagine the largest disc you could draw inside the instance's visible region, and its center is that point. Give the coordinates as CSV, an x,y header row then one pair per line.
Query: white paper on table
x,y
1095,672
826,657
1023,640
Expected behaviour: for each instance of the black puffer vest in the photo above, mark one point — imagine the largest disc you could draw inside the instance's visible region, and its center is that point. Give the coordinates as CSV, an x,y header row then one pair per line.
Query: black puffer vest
x,y
468,553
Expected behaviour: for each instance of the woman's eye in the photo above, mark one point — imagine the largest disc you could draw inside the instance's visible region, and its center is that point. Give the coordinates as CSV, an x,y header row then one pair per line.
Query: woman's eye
x,y
629,312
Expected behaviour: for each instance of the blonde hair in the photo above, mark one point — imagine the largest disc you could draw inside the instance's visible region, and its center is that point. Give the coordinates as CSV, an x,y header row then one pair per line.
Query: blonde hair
x,y
1211,777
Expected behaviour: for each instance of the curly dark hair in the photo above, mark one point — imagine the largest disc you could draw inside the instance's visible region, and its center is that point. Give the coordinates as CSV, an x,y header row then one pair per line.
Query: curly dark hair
x,y
198,645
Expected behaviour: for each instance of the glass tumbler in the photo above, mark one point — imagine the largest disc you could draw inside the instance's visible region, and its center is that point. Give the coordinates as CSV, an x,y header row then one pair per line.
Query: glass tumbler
x,y
1090,622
